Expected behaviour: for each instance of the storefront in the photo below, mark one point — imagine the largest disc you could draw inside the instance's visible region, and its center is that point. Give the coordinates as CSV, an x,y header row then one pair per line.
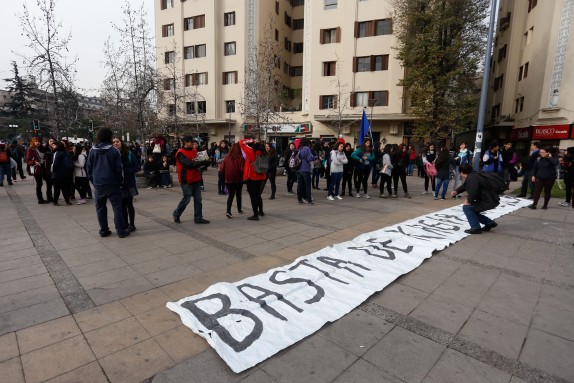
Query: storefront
x,y
551,135
521,137
280,135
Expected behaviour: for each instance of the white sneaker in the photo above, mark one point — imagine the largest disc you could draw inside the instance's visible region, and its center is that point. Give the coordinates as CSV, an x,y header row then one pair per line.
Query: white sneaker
x,y
424,193
367,196
565,204
339,197
330,198
358,195
81,202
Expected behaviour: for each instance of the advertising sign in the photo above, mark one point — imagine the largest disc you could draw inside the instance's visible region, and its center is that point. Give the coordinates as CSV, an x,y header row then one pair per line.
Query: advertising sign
x,y
521,134
551,132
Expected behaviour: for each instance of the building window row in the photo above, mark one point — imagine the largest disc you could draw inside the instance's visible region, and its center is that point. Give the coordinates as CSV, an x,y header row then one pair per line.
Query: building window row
x,y
169,57
193,107
370,63
194,51
229,77
194,79
287,44
330,36
165,3
519,104
523,71
373,28
372,98
495,111
169,84
296,71
287,20
194,22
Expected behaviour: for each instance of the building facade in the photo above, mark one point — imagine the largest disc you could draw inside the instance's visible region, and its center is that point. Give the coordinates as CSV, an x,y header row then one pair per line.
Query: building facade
x,y
336,60
531,94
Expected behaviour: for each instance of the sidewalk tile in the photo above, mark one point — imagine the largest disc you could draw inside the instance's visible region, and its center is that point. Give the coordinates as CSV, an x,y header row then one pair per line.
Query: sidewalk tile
x,y
142,302
20,263
443,313
398,297
11,371
494,333
91,373
159,320
557,297
8,347
116,336
97,267
404,354
508,306
555,320
363,372
32,315
181,289
54,360
165,262
25,284
454,367
118,290
163,277
136,363
181,343
46,334
549,353
101,316
215,262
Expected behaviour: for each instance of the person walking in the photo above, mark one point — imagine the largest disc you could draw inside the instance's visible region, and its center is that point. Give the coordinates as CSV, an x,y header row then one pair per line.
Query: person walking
x,y
363,157
190,179
81,182
272,170
480,198
386,172
17,153
35,159
304,172
220,154
318,168
528,170
232,170
131,166
253,179
400,160
543,177
105,171
338,161
443,163
509,159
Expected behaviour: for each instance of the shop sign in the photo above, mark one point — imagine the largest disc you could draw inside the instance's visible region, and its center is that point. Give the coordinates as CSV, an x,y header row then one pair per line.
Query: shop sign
x,y
520,134
306,127
551,132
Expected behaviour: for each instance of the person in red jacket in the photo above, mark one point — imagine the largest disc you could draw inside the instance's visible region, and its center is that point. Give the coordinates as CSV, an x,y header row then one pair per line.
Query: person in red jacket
x,y
251,149
232,170
190,180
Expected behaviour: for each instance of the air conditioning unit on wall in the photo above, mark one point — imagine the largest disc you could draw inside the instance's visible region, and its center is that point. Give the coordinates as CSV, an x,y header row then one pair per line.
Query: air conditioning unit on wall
x,y
394,129
212,131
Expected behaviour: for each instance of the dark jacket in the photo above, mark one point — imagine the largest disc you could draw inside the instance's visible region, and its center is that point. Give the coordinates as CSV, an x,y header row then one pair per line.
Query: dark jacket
x,y
532,160
131,166
273,162
545,168
443,169
105,166
479,192
400,162
58,169
350,165
507,155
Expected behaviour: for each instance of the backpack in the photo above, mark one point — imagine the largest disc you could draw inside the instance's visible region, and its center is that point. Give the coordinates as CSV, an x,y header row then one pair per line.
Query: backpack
x,y
261,163
430,169
68,163
295,160
496,182
15,153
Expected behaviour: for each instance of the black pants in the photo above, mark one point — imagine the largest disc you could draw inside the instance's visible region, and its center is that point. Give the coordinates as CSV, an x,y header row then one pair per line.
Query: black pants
x,y
347,181
128,211
234,189
20,170
385,179
39,183
527,183
402,175
61,185
254,190
568,184
271,175
82,185
362,178
433,182
291,178
539,185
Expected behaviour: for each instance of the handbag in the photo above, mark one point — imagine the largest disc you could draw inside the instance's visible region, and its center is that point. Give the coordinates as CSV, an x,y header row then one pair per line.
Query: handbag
x,y
156,148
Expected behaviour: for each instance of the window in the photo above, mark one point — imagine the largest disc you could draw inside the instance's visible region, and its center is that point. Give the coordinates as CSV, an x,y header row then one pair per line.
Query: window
x,y
363,64
380,97
495,112
168,84
361,99
229,78
330,4
188,53
498,82
380,62
297,3
286,68
287,44
532,4
167,30
298,23
277,61
327,102
190,107
229,49
287,20
201,78
298,48
526,69
519,104
329,36
194,22
188,79
502,53
201,107
200,50
383,27
164,4
171,109
362,29
276,35
230,106
296,71
229,19
169,57
277,7
329,68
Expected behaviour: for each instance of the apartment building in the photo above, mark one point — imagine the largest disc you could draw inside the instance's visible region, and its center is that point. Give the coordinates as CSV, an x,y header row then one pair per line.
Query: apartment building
x,y
337,60
531,94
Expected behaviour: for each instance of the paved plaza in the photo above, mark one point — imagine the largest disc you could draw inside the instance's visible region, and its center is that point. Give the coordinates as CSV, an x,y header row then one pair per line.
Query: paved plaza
x,y
75,307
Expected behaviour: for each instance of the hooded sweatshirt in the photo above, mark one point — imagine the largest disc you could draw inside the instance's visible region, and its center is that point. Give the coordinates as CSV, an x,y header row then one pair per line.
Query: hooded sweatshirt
x,y
104,166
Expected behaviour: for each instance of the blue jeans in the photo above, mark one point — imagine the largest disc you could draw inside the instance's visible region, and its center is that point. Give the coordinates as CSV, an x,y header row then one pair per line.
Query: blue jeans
x,y
410,168
165,179
376,175
316,177
441,182
191,190
474,218
335,183
101,196
304,186
5,170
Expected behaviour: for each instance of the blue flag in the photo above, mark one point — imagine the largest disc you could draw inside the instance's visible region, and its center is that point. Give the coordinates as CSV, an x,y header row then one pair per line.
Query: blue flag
x,y
365,129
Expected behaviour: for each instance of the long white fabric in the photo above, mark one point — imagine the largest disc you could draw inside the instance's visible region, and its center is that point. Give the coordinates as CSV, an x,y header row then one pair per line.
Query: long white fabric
x,y
248,321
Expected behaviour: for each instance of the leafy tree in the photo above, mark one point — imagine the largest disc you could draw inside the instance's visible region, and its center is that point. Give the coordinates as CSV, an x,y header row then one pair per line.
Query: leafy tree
x,y
21,93
441,43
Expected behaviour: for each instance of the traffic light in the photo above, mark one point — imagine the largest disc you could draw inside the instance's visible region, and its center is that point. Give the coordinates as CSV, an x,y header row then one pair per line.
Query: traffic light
x,y
36,125
91,127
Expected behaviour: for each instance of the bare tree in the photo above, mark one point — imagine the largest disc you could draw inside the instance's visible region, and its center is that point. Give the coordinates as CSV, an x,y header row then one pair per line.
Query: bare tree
x,y
264,95
48,61
339,109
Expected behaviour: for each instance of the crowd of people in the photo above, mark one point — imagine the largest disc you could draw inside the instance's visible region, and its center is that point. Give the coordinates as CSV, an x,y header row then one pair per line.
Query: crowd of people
x,y
110,167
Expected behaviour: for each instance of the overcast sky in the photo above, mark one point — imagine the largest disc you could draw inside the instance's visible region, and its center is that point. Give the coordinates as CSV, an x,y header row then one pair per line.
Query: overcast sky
x,y
90,22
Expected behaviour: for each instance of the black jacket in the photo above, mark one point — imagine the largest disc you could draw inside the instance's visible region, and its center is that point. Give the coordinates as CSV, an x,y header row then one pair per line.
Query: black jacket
x,y
443,169
532,160
545,168
479,191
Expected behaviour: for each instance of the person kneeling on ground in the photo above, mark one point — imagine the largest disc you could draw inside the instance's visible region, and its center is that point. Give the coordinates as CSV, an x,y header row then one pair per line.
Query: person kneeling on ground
x,y
480,198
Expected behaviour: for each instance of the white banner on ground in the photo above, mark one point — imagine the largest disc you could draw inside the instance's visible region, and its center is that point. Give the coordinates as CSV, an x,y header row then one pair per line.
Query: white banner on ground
x,y
248,321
